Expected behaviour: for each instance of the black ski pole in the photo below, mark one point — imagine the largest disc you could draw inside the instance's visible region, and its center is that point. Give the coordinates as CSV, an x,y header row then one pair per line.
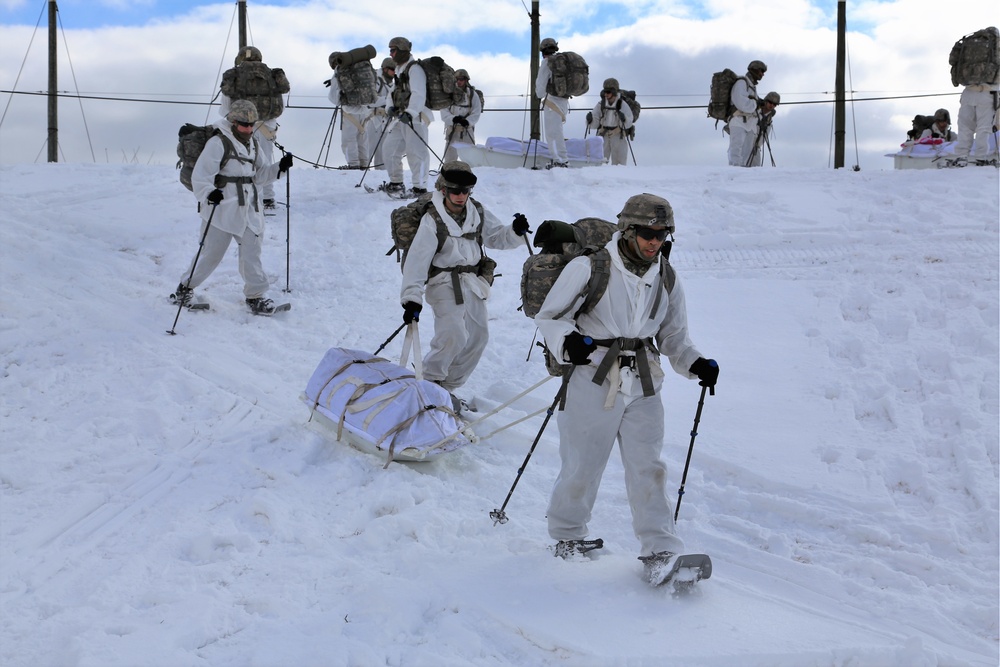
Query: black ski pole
x,y
447,144
288,222
374,151
187,284
498,515
389,339
694,434
422,140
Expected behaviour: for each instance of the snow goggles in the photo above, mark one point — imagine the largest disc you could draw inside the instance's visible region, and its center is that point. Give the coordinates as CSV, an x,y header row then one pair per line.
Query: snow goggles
x,y
464,190
650,234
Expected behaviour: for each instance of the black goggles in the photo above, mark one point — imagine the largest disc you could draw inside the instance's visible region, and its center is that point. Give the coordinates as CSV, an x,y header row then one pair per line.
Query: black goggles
x,y
464,190
650,234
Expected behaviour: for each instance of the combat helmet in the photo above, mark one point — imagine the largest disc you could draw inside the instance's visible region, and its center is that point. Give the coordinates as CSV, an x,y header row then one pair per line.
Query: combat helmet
x,y
249,54
646,210
455,174
243,111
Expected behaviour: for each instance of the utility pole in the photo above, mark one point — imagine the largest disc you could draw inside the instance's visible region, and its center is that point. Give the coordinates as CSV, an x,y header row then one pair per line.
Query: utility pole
x,y
242,5
536,101
53,116
839,116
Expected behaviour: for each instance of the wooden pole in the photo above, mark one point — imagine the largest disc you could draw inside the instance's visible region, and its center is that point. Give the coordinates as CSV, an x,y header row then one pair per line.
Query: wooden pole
x,y
243,23
839,118
53,114
536,100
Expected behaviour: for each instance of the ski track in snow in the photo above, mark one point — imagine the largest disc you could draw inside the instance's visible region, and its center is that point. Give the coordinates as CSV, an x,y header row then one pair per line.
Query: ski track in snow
x,y
165,497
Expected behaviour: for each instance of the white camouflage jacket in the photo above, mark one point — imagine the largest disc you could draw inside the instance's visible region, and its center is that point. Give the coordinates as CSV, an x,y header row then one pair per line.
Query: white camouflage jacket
x,y
230,216
622,312
456,251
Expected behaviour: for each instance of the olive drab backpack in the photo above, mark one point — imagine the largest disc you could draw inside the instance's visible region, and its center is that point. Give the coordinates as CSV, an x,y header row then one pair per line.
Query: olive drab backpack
x,y
440,84
356,78
920,123
541,270
629,97
974,58
255,81
191,140
570,75
357,84
720,102
405,221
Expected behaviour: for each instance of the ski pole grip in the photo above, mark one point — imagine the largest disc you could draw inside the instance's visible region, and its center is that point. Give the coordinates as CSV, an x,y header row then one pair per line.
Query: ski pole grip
x,y
714,364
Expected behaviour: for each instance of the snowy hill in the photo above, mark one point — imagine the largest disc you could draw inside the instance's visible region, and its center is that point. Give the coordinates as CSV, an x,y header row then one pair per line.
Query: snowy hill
x,y
163,500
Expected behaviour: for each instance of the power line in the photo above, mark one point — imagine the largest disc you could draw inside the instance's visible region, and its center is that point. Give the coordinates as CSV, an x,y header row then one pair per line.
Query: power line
x,y
520,110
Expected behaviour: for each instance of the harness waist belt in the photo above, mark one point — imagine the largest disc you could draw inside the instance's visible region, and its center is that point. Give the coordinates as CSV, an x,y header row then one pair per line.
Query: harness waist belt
x,y
638,362
456,284
221,181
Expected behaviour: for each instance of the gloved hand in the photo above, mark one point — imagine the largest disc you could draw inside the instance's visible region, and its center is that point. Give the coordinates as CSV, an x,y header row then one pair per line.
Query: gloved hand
x,y
621,117
215,196
411,312
391,112
286,163
327,83
630,132
578,348
520,224
405,117
460,120
707,371
590,118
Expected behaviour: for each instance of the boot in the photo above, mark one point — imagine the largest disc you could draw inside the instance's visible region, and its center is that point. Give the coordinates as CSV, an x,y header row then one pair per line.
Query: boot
x,y
260,306
182,296
655,568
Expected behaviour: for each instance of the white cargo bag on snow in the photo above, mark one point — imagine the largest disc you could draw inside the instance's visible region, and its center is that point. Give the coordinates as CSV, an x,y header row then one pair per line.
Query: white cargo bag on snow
x,y
380,407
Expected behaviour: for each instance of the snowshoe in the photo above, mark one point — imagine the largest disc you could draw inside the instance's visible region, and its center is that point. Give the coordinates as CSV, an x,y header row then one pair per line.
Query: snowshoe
x,y
184,296
266,307
683,572
567,549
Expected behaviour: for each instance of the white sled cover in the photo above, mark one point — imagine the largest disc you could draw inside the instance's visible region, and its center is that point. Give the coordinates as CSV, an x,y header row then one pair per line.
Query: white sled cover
x,y
380,407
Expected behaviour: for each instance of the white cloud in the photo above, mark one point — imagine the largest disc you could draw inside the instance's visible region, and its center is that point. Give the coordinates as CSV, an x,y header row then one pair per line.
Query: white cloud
x,y
667,57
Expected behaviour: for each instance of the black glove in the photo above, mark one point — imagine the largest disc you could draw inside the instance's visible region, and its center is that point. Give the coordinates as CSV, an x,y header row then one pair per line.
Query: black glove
x,y
215,196
327,83
590,118
460,120
411,312
286,163
391,112
630,132
405,117
520,224
578,348
707,371
621,117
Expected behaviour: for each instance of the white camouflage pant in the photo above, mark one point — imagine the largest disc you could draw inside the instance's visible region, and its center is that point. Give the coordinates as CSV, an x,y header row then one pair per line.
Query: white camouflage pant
x,y
587,434
742,135
352,139
461,332
976,115
554,134
401,139
255,282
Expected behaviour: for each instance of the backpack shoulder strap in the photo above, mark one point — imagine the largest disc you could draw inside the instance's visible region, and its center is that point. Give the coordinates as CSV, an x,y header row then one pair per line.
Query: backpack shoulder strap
x,y
669,277
228,151
597,285
669,274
